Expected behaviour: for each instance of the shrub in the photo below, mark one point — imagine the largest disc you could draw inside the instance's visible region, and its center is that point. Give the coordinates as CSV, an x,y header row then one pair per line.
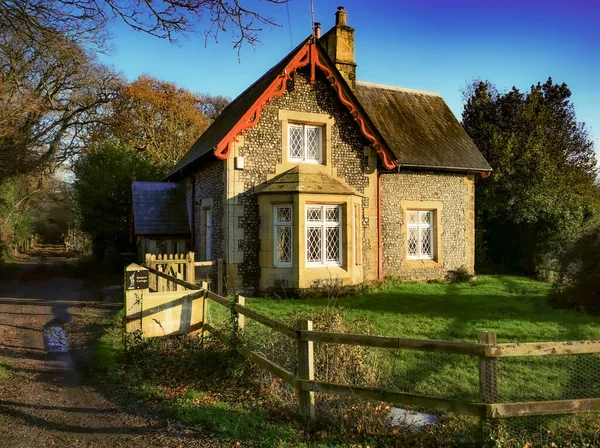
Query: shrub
x,y
578,283
460,275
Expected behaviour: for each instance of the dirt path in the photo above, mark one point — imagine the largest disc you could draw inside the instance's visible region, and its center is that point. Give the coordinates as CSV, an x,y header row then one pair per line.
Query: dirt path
x,y
46,400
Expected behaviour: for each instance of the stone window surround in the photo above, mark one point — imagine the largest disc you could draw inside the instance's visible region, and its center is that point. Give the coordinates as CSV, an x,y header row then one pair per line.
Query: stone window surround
x,y
299,275
205,204
308,118
437,208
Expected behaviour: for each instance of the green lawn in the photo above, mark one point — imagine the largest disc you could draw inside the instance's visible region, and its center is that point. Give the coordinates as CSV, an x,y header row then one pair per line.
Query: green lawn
x,y
214,389
514,307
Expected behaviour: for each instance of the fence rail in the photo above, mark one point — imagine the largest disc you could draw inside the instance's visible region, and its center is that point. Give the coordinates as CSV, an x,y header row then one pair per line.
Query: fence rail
x,y
486,349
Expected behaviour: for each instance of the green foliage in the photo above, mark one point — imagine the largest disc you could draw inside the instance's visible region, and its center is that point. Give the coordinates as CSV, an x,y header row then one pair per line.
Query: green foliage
x,y
542,193
460,275
102,191
579,274
4,369
15,224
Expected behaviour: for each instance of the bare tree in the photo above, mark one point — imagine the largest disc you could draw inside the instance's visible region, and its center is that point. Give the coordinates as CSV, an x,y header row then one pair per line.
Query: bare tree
x,y
50,96
87,19
212,106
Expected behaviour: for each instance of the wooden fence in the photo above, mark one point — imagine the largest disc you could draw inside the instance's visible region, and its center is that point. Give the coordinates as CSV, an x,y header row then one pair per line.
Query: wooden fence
x,y
25,244
183,267
303,380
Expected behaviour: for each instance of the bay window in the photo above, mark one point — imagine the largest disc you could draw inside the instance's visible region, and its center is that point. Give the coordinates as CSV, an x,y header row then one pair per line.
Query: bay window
x,y
323,235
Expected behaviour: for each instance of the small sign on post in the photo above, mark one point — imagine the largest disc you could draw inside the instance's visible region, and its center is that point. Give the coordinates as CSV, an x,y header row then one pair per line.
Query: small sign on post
x,y
136,279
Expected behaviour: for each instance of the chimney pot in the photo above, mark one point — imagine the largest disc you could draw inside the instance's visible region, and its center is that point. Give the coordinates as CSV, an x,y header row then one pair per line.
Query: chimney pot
x,y
340,16
317,30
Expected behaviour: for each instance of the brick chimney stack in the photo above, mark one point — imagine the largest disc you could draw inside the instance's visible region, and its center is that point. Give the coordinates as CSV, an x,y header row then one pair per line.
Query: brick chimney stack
x,y
339,43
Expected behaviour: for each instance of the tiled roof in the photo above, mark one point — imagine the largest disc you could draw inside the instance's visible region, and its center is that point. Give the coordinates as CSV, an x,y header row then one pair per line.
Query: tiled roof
x,y
159,208
419,128
304,179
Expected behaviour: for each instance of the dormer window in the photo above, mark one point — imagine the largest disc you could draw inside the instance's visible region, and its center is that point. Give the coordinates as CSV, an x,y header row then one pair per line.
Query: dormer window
x,y
305,143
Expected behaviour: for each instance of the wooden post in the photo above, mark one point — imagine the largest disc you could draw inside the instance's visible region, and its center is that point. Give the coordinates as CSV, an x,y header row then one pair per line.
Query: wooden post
x,y
190,270
220,276
306,371
133,299
204,286
488,386
241,319
178,287
161,283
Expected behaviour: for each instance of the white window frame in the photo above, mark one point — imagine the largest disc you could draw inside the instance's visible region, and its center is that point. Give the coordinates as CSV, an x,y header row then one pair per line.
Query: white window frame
x,y
420,226
323,225
276,225
304,157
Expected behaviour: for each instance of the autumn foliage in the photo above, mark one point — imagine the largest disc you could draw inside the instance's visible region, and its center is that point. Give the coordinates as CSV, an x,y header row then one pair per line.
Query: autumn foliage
x,y
156,117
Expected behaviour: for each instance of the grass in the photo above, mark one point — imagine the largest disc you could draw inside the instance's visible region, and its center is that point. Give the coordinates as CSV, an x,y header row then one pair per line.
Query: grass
x,y
4,369
213,391
515,308
179,382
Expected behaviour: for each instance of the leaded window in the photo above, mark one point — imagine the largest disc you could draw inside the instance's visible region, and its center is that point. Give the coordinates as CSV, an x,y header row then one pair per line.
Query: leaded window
x,y
305,143
323,235
419,234
283,235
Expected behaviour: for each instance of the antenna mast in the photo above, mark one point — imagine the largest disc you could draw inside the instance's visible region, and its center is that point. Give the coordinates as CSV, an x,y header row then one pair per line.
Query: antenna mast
x,y
312,16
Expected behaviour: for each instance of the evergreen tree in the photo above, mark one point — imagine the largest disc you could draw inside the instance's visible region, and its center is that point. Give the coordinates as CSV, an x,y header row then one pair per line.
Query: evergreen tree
x,y
542,193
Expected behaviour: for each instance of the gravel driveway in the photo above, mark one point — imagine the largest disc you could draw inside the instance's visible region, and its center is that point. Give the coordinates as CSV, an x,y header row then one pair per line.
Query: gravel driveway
x,y
46,400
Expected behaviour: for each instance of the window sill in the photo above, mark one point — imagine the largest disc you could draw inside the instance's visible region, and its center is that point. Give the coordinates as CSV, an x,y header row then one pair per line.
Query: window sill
x,y
421,264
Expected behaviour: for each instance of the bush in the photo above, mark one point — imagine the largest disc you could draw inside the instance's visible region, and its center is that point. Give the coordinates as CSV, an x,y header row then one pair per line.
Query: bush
x,y
460,275
578,282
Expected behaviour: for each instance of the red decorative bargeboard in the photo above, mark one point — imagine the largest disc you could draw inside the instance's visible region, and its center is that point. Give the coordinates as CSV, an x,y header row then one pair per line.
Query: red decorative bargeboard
x,y
308,54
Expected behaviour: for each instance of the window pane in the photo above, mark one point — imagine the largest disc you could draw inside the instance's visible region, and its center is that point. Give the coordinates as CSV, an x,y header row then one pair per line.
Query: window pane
x,y
332,243
296,142
314,214
313,143
425,218
284,244
426,242
314,245
412,218
284,214
332,214
412,242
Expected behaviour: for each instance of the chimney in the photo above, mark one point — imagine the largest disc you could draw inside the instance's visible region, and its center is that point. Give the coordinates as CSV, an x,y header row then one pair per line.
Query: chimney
x,y
317,30
339,43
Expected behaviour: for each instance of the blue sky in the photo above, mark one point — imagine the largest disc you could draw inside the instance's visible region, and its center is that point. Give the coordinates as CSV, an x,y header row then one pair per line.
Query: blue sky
x,y
430,45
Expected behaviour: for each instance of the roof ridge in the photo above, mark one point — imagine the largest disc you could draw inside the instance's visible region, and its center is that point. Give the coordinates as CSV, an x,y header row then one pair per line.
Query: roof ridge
x,y
400,89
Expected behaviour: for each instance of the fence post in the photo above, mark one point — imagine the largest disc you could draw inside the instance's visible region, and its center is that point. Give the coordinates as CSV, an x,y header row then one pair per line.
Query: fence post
x,y
133,298
190,270
220,276
204,286
241,319
488,384
306,371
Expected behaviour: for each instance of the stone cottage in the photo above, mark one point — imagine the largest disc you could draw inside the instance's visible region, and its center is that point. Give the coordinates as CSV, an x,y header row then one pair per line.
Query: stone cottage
x,y
311,176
